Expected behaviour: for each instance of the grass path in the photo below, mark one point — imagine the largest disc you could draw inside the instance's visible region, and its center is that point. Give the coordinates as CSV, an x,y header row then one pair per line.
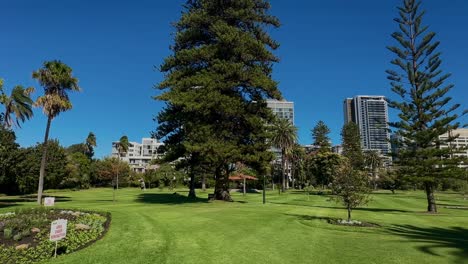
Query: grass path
x,y
159,227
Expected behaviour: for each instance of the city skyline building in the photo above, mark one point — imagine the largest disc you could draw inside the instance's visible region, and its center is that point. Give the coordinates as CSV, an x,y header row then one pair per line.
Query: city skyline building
x,y
139,155
370,113
282,109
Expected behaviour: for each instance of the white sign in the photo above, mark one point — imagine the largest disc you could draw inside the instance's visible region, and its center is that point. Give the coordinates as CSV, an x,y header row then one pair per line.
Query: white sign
x,y
49,201
58,230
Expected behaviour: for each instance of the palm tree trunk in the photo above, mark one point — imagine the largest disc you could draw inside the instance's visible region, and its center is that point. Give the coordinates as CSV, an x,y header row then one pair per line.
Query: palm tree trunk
x,y
283,178
43,162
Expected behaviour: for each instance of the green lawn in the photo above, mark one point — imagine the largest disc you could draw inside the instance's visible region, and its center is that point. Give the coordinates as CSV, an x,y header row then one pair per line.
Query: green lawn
x,y
160,227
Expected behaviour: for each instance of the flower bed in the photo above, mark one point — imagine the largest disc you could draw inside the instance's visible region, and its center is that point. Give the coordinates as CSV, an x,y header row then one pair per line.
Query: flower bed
x,y
24,234
350,223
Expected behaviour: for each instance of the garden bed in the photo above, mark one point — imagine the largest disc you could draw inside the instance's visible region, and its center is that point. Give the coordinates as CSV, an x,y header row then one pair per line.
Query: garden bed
x,y
355,223
24,234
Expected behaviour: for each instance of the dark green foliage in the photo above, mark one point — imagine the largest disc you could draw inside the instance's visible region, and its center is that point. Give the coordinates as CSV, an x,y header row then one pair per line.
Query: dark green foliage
x,y
322,166
320,135
76,148
352,145
8,161
216,83
90,145
29,166
298,165
107,169
79,172
425,109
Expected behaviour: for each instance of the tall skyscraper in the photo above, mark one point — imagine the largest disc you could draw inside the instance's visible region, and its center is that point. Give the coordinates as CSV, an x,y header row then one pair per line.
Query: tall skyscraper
x,y
282,109
370,113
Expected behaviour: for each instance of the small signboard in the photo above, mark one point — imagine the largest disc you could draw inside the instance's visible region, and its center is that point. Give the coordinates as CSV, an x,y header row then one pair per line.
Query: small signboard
x,y
49,201
58,230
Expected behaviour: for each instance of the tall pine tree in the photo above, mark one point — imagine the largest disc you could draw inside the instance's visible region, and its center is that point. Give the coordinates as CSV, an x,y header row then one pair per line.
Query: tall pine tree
x,y
215,87
351,141
320,134
425,109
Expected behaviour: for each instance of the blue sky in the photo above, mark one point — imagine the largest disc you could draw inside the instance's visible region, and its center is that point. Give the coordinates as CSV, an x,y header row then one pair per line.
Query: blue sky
x,y
329,50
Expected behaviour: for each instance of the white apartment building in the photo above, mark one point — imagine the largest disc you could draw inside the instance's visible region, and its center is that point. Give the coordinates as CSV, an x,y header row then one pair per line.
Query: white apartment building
x,y
282,109
139,155
461,142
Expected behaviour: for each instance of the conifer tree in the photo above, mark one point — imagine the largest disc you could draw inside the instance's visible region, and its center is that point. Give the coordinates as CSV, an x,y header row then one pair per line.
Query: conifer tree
x,y
320,135
216,83
352,149
425,109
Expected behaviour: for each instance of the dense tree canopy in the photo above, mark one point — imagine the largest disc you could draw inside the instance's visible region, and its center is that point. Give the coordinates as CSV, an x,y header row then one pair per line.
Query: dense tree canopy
x,y
216,83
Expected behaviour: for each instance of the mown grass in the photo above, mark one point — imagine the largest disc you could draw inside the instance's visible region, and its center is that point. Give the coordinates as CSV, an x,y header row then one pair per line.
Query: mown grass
x,y
162,227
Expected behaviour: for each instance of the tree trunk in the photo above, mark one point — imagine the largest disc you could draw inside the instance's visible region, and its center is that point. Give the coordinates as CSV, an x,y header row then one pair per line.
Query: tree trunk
x,y
221,191
283,167
192,194
43,162
203,183
349,214
244,186
431,202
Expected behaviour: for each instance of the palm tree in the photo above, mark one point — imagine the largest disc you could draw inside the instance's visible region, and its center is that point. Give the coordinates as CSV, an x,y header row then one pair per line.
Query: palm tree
x,y
284,136
19,104
373,161
90,145
122,148
57,80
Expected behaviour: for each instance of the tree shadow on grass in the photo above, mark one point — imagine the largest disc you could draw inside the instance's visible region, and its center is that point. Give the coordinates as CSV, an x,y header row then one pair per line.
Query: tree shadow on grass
x,y
454,238
167,198
13,201
365,209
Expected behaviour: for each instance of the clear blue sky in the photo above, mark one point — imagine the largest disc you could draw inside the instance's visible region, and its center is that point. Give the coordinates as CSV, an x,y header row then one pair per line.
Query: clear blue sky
x,y
329,50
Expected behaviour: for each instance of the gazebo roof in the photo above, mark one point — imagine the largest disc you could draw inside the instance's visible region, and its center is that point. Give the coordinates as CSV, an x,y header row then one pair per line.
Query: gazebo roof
x,y
240,177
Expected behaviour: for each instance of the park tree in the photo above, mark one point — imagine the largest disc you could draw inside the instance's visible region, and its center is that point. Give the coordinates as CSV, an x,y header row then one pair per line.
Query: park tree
x,y
90,145
351,141
107,169
284,137
298,163
217,80
320,135
79,172
122,149
350,187
322,167
57,80
8,161
426,111
17,105
29,165
373,162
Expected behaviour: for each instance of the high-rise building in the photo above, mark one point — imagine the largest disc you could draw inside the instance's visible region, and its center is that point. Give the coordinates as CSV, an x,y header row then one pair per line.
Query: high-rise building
x,y
370,113
139,155
282,109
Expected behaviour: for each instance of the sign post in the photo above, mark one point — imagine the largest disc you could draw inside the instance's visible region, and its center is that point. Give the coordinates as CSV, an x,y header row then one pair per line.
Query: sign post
x,y
58,231
49,201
